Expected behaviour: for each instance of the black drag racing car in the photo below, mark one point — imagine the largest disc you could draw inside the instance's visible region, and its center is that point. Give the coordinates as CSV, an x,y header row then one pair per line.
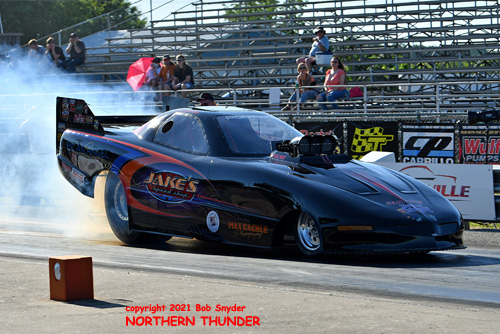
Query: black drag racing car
x,y
245,177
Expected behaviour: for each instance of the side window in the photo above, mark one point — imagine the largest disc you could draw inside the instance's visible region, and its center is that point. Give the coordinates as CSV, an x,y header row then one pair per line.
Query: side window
x,y
182,132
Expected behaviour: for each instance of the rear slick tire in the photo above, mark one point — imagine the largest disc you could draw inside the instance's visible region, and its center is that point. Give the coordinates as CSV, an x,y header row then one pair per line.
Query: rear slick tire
x,y
307,235
115,201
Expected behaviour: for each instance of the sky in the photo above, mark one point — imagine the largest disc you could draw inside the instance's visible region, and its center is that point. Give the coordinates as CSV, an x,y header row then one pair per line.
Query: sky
x,y
162,12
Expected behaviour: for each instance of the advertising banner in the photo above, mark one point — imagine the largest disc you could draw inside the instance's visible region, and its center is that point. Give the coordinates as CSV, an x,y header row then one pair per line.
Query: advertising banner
x,y
468,187
428,143
479,144
364,137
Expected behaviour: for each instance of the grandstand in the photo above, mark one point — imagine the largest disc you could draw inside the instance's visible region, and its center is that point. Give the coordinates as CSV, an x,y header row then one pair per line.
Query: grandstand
x,y
398,50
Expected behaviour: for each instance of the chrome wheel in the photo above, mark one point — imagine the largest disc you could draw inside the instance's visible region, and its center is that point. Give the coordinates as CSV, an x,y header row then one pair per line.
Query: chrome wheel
x,y
307,235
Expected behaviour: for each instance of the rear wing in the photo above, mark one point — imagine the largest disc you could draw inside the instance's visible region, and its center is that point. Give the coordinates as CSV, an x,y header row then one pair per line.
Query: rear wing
x,y
76,114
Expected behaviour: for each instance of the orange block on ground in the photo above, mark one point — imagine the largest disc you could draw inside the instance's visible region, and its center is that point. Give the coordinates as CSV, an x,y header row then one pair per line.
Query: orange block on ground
x,y
71,277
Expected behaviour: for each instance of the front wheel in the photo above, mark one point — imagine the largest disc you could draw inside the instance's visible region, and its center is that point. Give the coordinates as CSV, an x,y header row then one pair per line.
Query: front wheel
x,y
307,235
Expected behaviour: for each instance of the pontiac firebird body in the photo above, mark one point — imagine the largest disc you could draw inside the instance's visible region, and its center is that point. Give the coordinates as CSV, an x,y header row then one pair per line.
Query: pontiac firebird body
x,y
215,174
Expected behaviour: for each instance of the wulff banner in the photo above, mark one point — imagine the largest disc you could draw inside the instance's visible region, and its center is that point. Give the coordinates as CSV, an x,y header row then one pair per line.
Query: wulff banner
x,y
323,128
429,144
479,144
364,137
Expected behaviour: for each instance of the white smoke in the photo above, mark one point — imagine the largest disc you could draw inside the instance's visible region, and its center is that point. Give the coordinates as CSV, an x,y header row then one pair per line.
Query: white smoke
x,y
34,196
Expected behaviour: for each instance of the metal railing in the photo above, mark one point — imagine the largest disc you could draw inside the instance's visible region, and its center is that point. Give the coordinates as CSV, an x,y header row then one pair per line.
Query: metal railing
x,y
391,97
393,100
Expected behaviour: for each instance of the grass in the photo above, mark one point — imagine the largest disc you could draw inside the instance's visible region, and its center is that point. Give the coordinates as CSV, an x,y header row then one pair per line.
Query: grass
x,y
483,225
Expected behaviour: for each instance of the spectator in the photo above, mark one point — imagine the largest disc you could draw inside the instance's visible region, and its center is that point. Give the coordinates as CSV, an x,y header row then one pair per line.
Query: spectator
x,y
206,99
334,76
54,53
166,75
35,51
183,76
303,79
320,43
153,73
76,51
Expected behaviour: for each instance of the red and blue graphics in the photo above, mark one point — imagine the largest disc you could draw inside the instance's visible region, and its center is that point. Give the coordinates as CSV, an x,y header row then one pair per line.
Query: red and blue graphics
x,y
171,187
166,183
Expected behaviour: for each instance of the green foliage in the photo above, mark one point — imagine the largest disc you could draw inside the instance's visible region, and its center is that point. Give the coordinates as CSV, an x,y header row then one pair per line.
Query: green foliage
x,y
482,225
265,10
36,19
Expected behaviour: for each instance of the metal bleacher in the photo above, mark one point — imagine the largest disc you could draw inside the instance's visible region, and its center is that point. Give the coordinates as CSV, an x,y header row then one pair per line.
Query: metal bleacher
x,y
380,42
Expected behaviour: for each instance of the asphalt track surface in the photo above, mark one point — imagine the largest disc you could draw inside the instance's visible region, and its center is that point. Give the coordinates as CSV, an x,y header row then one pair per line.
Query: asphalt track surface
x,y
442,292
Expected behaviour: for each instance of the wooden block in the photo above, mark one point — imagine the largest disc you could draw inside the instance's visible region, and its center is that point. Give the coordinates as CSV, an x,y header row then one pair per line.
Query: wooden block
x,y
71,278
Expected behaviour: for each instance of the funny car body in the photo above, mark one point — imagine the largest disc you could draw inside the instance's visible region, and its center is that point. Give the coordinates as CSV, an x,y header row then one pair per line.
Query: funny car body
x,y
240,176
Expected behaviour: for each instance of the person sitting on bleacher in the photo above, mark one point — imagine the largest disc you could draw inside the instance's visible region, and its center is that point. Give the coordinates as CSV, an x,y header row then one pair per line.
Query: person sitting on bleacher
x,y
334,76
153,73
54,53
320,43
76,51
166,75
183,76
35,51
303,79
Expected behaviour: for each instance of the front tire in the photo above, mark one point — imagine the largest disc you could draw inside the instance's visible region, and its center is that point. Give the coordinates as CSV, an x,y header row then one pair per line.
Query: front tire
x,y
307,235
115,201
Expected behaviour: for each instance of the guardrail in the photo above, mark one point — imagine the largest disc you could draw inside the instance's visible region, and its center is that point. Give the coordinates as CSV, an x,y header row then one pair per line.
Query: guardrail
x,y
422,98
395,100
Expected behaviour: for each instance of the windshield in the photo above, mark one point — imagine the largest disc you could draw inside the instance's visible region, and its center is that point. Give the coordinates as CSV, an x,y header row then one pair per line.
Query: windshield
x,y
255,134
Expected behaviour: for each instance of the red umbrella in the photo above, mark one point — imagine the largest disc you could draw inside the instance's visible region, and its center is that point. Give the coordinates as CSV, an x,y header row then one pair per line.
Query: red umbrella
x,y
137,72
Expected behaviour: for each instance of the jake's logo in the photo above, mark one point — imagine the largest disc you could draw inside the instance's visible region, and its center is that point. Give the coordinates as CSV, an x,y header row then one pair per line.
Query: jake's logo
x,y
171,187
372,139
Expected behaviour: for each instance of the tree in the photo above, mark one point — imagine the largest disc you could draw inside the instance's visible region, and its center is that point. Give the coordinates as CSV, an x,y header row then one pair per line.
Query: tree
x,y
265,10
36,19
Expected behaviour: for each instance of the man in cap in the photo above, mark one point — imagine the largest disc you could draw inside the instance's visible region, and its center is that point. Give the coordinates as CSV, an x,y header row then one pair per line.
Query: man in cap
x,y
76,51
166,75
320,43
206,99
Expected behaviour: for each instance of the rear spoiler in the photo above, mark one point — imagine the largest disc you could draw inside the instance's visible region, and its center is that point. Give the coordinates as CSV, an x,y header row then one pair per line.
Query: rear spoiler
x,y
76,114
